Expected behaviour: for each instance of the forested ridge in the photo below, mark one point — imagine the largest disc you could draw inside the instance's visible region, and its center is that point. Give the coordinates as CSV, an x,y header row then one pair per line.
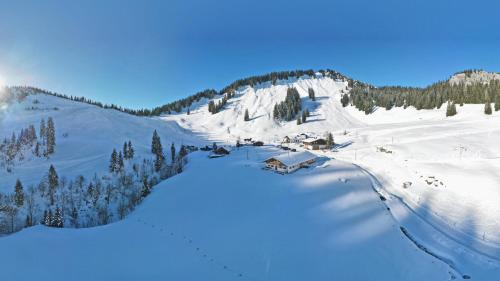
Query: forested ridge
x,y
185,103
367,98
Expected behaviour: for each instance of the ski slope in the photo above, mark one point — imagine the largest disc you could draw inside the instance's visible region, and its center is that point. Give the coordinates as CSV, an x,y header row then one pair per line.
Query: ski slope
x,y
85,137
212,223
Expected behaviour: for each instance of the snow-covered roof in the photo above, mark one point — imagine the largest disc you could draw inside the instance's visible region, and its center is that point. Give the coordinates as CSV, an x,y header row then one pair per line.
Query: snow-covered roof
x,y
308,140
294,158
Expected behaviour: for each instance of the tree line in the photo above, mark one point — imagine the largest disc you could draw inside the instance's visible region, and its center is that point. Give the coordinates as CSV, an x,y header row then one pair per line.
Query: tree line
x,y
367,98
179,105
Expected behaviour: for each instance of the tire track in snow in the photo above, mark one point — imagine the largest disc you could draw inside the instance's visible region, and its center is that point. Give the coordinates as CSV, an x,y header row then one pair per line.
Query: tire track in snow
x,y
374,181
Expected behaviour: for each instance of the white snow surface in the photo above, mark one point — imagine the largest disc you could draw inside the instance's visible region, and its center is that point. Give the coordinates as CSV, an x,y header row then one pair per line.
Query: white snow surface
x,y
92,134
452,163
209,223
316,224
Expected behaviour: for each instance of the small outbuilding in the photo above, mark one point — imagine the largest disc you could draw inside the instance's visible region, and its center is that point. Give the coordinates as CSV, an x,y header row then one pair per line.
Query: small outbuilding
x,y
290,162
314,144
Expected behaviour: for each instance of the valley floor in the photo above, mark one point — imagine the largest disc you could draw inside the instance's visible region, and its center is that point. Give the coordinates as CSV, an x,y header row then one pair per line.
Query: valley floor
x,y
228,219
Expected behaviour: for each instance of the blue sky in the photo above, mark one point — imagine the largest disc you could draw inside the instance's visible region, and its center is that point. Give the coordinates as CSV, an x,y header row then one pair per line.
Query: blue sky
x,y
146,53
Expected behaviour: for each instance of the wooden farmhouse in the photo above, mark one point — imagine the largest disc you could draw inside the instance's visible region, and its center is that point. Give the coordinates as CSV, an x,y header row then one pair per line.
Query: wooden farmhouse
x,y
290,162
314,144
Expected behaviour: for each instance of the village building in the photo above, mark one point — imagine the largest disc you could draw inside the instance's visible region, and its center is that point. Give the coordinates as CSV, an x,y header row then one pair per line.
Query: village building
x,y
290,162
286,139
314,144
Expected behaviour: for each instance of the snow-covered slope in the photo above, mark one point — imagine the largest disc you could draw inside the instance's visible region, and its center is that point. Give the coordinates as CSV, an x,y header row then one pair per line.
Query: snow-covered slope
x,y
451,162
211,223
316,224
85,137
327,113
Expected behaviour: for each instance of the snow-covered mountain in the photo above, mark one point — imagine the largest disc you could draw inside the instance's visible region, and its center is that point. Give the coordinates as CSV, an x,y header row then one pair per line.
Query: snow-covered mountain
x,y
413,192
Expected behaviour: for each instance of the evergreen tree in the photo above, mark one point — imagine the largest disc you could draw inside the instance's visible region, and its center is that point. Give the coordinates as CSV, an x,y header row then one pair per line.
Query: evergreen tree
x,y
125,150
47,218
58,219
51,136
299,120
183,151
28,221
497,101
120,164
155,143
37,149
188,111
53,183
146,188
451,109
172,152
158,162
307,113
211,107
43,130
130,151
275,112
487,108
329,140
19,194
113,161
247,117
312,95
50,218
304,117
344,100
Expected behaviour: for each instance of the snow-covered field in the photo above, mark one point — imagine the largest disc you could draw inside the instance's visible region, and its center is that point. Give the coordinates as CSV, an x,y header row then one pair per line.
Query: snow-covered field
x,y
225,217
212,223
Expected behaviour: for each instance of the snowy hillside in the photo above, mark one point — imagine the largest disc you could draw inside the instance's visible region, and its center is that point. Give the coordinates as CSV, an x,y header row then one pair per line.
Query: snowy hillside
x,y
326,111
99,167
451,162
85,136
405,194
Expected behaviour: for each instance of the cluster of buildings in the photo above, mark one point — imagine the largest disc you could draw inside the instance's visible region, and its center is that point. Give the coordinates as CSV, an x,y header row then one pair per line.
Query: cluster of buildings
x,y
307,142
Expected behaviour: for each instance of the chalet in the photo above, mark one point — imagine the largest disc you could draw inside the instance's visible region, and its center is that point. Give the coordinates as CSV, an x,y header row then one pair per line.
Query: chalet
x,y
286,139
290,162
314,144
